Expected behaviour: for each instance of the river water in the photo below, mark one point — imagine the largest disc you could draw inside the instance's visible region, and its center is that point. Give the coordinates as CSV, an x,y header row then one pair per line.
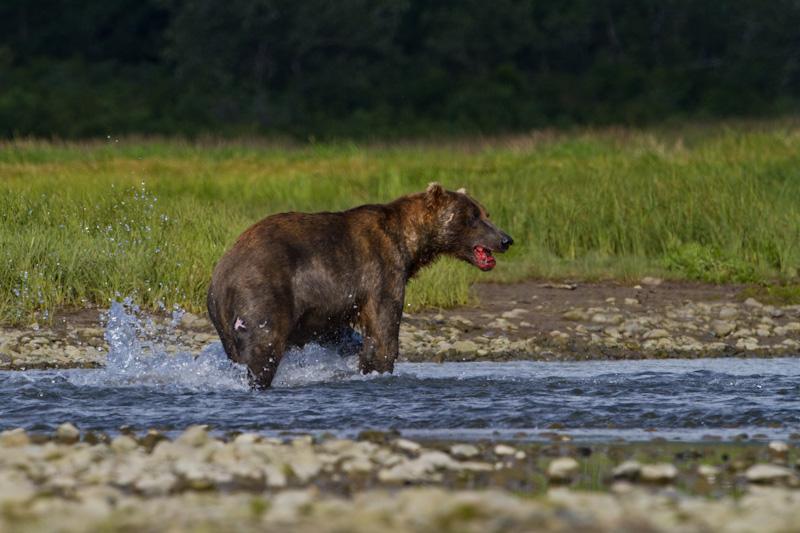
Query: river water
x,y
315,391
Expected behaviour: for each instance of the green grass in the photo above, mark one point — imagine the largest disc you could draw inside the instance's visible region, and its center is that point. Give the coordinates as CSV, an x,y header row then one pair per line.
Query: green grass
x,y
88,222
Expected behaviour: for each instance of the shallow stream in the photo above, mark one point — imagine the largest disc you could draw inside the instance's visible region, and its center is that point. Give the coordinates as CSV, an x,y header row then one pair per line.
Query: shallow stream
x,y
316,392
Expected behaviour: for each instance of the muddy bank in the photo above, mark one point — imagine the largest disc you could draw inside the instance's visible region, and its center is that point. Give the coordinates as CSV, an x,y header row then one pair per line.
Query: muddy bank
x,y
532,320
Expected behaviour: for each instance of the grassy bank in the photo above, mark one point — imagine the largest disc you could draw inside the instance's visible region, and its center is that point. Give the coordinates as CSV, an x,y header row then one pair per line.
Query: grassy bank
x,y
82,223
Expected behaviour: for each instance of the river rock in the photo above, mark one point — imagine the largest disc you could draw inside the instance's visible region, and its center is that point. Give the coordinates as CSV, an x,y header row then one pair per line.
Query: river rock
x,y
748,343
187,320
465,347
124,444
779,452
202,338
657,333
194,436
154,484
658,473
770,473
576,315
501,324
11,438
778,448
67,433
423,468
627,470
289,504
722,328
464,451
504,450
514,313
709,471
444,348
408,446
563,469
632,327
15,489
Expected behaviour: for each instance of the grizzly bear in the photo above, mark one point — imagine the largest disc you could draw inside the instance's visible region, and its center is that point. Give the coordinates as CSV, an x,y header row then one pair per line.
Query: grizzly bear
x,y
293,278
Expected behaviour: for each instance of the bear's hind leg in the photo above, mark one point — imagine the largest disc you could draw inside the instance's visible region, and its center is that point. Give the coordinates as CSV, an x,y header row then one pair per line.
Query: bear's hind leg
x,y
261,350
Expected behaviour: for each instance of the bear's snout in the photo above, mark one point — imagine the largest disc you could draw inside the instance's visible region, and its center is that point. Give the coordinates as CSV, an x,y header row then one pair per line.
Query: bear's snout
x,y
505,241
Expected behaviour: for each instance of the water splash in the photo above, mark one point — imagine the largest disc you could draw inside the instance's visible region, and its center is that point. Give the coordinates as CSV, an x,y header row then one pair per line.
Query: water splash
x,y
314,364
144,352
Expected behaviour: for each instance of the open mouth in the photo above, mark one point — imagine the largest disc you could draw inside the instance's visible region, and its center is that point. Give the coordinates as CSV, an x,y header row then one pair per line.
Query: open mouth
x,y
483,258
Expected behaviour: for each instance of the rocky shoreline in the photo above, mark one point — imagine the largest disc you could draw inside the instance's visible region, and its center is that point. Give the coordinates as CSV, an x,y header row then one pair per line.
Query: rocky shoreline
x,y
550,322
81,481
77,480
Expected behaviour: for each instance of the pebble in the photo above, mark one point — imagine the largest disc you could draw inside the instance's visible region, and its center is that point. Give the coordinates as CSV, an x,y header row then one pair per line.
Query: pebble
x,y
67,433
651,281
722,328
407,445
657,334
465,347
658,473
563,469
464,451
503,450
709,471
778,447
770,473
201,482
627,470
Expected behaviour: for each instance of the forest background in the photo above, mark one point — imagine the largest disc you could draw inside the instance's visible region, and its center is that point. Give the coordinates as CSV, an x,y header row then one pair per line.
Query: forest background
x,y
388,68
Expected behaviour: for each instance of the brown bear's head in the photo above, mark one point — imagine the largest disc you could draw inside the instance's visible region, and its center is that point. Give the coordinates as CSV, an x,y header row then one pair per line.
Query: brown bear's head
x,y
464,230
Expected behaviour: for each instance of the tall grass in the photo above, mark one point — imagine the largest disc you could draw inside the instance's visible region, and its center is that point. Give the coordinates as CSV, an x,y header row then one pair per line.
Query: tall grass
x,y
84,223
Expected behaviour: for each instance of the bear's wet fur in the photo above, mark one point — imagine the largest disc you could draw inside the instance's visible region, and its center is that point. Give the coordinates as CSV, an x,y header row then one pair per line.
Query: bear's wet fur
x,y
293,278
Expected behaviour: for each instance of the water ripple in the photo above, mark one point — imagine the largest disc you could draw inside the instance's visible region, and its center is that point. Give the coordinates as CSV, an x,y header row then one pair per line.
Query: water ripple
x,y
144,385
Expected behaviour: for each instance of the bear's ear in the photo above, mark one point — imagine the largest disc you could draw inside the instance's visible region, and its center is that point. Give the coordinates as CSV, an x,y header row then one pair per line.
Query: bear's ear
x,y
462,190
434,195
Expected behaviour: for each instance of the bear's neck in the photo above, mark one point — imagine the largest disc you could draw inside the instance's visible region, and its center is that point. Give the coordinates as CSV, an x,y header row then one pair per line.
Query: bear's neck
x,y
413,227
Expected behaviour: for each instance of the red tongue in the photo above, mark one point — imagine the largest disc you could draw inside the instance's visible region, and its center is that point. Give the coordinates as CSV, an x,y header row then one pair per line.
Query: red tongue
x,y
484,258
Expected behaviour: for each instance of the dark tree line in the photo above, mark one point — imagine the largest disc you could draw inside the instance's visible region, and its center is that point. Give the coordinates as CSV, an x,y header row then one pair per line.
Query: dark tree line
x,y
71,68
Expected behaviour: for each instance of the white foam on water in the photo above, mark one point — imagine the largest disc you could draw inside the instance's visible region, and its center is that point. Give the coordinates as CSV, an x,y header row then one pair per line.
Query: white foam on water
x,y
143,353
313,364
146,354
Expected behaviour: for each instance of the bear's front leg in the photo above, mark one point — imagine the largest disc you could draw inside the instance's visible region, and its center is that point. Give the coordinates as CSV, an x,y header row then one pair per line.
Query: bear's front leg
x,y
381,330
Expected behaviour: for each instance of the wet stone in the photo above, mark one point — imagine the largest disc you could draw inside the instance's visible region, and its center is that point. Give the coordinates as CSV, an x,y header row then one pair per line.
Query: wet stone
x,y
627,470
10,438
464,451
465,347
67,433
563,469
504,450
770,473
722,328
658,473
